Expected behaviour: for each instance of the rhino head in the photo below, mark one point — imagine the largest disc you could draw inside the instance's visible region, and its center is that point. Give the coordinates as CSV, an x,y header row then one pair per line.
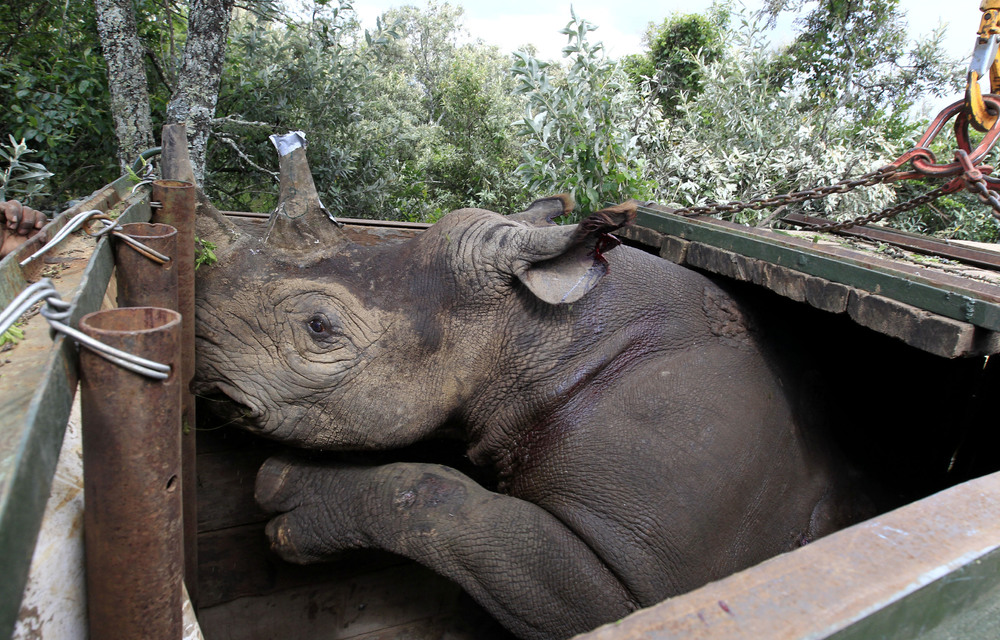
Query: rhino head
x,y
310,338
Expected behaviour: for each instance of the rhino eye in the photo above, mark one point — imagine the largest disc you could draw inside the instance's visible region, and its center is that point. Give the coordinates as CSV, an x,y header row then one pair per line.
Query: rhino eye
x,y
318,326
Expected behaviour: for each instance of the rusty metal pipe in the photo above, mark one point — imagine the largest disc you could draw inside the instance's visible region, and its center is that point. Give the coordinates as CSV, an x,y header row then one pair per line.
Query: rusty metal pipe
x,y
132,487
141,281
177,209
175,161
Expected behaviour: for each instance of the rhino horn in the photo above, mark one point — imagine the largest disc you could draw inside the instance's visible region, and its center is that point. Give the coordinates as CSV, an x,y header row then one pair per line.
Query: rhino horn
x,y
175,164
300,225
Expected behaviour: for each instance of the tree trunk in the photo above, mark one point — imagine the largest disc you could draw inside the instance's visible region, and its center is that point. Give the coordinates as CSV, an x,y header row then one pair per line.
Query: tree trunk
x,y
126,78
193,103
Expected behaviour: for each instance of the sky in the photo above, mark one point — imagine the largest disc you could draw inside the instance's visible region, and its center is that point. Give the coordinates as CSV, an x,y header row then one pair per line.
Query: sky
x,y
513,23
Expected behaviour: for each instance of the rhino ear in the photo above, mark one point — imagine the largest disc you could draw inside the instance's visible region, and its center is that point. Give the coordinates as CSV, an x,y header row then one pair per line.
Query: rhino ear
x,y
542,213
562,264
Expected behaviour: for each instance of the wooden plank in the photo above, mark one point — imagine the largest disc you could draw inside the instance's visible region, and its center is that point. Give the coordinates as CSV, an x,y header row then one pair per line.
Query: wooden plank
x,y
921,329
950,296
406,601
13,278
35,414
225,487
933,333
818,292
238,562
899,575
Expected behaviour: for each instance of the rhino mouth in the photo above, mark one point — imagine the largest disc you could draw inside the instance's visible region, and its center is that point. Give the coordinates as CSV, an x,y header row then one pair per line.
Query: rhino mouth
x,y
231,405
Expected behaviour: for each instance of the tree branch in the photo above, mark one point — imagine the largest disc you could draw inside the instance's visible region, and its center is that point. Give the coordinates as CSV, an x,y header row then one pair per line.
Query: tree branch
x,y
159,70
246,123
229,142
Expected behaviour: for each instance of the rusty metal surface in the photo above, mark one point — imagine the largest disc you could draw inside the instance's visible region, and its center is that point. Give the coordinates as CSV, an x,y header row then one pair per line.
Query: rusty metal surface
x,y
175,162
928,561
38,383
141,281
177,209
132,485
922,244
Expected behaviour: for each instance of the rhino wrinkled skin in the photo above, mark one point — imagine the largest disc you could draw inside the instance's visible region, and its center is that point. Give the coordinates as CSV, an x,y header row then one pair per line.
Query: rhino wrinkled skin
x,y
640,440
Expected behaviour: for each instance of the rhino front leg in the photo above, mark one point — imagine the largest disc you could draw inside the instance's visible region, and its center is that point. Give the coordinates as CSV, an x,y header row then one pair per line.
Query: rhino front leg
x,y
521,563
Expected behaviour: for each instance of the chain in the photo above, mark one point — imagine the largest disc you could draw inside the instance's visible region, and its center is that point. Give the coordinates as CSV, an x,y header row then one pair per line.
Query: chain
x,y
987,196
973,179
889,212
963,173
975,182
885,174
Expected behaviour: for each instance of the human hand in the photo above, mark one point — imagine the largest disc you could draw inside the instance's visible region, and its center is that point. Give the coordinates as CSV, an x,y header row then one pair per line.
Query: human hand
x,y
18,224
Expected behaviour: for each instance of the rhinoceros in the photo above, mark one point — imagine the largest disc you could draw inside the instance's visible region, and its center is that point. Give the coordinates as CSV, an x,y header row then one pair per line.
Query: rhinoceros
x,y
638,435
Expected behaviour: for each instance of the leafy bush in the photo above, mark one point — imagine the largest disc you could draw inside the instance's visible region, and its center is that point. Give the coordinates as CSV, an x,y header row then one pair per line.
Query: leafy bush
x,y
54,90
402,123
575,130
20,180
670,63
456,147
301,76
745,137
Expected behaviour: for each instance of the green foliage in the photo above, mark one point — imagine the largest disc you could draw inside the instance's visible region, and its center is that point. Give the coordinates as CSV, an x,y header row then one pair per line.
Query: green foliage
x,y
852,63
310,75
575,127
413,119
467,154
853,55
401,123
744,138
20,179
11,336
54,89
204,253
959,215
675,47
835,104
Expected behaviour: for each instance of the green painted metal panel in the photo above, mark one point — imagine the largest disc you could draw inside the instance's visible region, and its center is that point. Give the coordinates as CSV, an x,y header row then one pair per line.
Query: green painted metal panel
x,y
29,448
962,604
956,302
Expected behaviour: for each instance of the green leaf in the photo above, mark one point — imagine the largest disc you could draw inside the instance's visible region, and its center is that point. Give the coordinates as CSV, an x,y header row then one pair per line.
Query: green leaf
x,y
13,335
